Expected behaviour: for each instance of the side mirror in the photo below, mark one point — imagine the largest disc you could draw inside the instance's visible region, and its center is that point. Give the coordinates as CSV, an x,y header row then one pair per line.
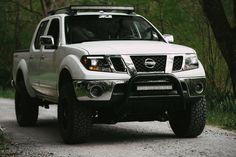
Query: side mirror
x,y
47,40
169,38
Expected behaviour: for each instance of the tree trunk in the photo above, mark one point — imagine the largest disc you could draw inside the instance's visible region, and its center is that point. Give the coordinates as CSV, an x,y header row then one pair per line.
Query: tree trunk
x,y
224,34
17,25
49,5
43,8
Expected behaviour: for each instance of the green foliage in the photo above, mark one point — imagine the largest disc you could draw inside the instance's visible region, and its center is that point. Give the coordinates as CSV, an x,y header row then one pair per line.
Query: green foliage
x,y
7,38
9,35
223,103
223,119
222,112
229,11
7,93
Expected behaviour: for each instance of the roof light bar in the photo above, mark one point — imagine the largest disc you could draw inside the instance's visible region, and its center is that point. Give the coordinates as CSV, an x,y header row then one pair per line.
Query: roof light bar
x,y
73,9
120,8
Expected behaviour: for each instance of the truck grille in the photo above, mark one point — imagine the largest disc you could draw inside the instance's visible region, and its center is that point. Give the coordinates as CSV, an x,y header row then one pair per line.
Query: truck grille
x,y
178,61
139,63
118,64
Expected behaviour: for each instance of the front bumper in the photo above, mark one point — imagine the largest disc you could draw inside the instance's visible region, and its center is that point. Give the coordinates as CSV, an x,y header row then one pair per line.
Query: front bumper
x,y
106,90
96,90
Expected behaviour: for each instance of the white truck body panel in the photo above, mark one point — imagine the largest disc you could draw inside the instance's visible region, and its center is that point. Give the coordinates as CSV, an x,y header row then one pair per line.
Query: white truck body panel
x,y
132,48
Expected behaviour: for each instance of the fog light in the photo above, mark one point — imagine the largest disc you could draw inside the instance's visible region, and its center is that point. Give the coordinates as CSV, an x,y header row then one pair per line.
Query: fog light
x,y
199,88
96,91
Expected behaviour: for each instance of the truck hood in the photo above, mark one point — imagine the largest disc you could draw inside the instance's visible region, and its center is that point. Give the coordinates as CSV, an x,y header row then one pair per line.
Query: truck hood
x,y
131,48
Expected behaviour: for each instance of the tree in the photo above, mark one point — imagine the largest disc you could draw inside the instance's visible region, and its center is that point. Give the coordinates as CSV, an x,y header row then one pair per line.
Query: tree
x,y
17,39
49,5
224,33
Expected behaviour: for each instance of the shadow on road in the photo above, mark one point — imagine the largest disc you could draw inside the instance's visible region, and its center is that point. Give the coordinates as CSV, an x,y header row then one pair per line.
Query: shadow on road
x,y
115,134
46,132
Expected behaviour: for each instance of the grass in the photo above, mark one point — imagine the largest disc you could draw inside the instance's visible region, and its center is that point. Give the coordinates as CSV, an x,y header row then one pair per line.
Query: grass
x,y
222,113
222,119
7,93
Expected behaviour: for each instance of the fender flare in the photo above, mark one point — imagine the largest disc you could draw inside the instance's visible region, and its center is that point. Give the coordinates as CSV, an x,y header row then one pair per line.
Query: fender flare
x,y
22,65
74,67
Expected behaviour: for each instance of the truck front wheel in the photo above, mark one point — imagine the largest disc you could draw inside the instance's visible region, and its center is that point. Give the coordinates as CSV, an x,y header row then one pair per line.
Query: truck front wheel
x,y
74,117
190,122
25,107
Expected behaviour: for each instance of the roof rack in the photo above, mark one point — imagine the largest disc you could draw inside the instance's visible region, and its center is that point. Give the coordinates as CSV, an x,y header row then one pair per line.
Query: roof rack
x,y
73,9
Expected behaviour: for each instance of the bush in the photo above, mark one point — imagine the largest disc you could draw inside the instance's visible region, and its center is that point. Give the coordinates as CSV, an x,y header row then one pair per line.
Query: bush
x,y
222,111
7,93
4,78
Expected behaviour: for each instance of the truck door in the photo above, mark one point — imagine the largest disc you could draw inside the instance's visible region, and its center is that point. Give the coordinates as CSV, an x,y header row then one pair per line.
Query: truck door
x,y
34,56
48,73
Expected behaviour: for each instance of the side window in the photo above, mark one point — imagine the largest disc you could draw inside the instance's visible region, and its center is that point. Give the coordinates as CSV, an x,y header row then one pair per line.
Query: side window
x,y
40,32
54,32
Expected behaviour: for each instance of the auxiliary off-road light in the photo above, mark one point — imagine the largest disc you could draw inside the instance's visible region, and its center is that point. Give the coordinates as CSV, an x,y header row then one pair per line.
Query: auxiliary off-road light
x,y
154,87
199,88
96,91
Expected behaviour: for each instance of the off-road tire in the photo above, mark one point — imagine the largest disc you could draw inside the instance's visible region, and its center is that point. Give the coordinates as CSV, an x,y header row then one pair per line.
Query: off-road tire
x,y
74,117
26,108
191,122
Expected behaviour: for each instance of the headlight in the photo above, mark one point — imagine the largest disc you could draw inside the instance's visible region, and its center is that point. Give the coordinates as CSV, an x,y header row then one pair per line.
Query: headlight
x,y
96,63
191,62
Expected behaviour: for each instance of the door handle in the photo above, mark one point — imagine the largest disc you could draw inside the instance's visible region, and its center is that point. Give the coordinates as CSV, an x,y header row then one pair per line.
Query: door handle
x,y
42,57
31,57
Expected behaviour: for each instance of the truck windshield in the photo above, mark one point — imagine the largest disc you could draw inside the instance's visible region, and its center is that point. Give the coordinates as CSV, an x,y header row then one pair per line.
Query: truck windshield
x,y
86,28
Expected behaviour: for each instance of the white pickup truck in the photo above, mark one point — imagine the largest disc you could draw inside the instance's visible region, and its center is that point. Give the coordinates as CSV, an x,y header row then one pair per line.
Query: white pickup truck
x,y
107,64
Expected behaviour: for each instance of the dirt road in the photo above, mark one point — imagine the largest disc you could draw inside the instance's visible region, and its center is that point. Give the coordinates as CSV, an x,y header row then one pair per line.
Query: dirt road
x,y
136,139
